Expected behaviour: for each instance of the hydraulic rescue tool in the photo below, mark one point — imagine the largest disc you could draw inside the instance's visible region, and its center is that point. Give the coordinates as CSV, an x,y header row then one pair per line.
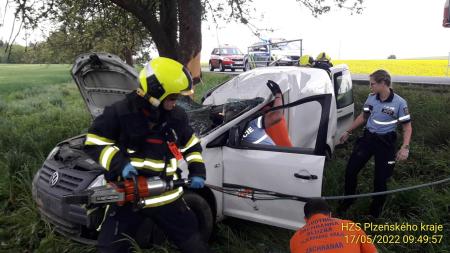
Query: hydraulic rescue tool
x,y
127,191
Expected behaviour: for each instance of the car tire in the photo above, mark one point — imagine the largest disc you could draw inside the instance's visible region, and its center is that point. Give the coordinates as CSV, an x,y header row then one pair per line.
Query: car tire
x,y
221,67
202,211
211,67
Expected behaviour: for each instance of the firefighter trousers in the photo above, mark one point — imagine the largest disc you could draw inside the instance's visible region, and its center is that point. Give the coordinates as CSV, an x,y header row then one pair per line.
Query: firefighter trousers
x,y
176,220
382,147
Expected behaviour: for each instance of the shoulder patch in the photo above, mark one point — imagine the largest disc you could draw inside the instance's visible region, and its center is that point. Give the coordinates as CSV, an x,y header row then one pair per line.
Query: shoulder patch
x,y
405,110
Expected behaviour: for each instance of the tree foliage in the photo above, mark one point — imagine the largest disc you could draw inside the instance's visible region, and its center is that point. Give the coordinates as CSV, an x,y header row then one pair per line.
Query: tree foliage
x,y
174,25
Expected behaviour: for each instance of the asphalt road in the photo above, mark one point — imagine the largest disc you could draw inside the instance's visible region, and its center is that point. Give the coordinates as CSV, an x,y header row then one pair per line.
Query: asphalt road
x,y
427,80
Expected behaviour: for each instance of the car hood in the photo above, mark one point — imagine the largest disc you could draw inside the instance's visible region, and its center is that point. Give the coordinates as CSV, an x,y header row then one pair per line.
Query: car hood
x,y
103,79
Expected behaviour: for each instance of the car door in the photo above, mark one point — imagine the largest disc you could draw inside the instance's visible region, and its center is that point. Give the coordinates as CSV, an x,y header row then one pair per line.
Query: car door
x,y
215,58
288,170
343,89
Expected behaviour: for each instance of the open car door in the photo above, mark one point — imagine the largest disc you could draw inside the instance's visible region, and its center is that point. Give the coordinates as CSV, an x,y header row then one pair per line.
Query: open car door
x,y
343,90
288,170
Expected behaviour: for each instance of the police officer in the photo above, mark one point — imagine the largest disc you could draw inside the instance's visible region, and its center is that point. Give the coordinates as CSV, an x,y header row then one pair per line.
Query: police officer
x,y
143,134
382,112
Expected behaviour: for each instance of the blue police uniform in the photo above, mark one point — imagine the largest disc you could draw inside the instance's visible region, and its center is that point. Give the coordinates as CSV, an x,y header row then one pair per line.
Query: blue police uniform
x,y
378,140
256,134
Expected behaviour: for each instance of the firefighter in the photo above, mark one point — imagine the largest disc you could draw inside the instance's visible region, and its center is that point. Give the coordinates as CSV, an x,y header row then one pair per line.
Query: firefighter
x,y
382,112
323,61
145,134
325,234
306,61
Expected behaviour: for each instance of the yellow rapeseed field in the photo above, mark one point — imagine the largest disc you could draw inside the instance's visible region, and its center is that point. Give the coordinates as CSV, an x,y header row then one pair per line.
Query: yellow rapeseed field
x,y
398,67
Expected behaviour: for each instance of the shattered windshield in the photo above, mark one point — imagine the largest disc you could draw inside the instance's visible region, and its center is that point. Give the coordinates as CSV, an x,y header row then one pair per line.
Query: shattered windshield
x,y
204,118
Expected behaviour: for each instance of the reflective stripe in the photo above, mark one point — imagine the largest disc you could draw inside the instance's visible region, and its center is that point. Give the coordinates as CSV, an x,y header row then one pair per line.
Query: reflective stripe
x,y
260,139
92,139
366,109
164,198
155,165
107,155
194,157
259,122
407,117
173,165
130,151
385,123
194,140
158,165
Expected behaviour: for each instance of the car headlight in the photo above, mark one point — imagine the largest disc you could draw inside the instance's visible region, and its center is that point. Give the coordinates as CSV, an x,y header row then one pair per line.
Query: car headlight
x,y
53,153
98,181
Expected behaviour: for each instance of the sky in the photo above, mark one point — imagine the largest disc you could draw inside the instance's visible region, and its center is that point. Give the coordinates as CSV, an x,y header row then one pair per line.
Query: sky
x,y
405,28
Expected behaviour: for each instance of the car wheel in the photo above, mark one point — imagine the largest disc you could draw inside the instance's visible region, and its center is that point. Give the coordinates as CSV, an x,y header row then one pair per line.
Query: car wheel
x,y
221,67
202,211
211,67
246,66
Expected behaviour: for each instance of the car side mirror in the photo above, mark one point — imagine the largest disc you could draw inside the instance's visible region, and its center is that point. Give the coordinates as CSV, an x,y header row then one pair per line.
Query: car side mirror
x,y
234,136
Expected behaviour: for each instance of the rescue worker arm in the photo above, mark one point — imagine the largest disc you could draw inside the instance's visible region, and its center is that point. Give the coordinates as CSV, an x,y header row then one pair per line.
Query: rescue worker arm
x,y
271,118
405,119
403,153
190,148
361,119
101,139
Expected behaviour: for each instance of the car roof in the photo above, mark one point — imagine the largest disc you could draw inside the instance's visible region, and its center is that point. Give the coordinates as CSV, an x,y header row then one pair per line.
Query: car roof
x,y
297,81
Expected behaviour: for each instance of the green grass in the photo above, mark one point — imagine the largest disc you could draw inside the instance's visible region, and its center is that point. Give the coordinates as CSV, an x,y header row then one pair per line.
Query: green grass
x,y
40,106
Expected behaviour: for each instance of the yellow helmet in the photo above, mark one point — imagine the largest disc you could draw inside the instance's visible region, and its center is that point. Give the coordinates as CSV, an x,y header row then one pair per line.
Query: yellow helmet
x,y
323,57
306,61
161,77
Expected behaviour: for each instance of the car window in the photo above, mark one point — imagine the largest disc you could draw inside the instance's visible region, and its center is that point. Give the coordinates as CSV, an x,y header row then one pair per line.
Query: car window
x,y
296,127
204,118
230,51
344,94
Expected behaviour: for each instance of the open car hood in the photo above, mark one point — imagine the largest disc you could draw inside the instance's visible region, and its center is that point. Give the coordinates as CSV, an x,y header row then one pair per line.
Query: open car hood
x,y
103,79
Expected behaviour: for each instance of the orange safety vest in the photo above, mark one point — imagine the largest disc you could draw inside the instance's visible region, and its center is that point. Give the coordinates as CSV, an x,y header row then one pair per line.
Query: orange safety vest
x,y
325,234
279,133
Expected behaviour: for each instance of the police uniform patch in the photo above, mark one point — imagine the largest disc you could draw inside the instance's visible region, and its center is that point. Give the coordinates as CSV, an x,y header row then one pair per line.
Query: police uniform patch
x,y
406,111
388,110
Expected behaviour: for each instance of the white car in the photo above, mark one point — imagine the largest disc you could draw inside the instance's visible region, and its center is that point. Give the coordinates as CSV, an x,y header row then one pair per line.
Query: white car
x,y
314,120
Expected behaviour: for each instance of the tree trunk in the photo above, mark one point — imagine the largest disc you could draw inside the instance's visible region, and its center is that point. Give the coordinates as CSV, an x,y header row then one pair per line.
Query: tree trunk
x,y
190,13
128,55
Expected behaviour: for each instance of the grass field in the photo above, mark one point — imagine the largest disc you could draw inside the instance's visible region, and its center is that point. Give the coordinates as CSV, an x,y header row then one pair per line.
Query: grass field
x,y
40,106
398,67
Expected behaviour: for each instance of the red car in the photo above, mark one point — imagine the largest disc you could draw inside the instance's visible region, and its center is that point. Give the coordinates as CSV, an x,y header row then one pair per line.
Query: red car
x,y
227,57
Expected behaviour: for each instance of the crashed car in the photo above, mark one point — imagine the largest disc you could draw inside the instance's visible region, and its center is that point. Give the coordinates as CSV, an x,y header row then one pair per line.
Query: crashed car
x,y
316,109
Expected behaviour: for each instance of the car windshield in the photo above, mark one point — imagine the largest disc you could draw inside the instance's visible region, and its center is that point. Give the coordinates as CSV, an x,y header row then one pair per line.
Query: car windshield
x,y
230,51
204,118
286,46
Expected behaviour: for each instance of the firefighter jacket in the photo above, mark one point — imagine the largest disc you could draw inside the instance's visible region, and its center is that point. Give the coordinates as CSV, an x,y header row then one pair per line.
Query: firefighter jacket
x,y
127,132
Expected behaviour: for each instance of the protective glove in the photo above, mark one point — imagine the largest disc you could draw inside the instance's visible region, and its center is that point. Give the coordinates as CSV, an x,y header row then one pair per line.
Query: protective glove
x,y
274,87
197,182
128,171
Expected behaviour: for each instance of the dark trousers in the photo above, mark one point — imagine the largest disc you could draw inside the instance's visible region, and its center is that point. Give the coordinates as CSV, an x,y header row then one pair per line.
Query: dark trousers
x,y
382,147
176,219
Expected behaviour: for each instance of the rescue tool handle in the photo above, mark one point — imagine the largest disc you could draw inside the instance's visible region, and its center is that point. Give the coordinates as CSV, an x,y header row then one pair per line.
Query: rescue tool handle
x,y
310,177
81,198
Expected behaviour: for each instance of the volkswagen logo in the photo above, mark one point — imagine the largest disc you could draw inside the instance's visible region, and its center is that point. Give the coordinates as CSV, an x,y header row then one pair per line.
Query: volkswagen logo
x,y
54,178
